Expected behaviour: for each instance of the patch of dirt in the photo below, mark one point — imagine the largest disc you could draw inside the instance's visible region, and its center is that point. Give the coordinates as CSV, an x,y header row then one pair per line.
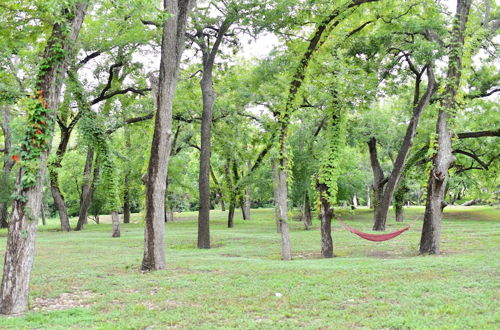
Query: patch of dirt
x,y
64,301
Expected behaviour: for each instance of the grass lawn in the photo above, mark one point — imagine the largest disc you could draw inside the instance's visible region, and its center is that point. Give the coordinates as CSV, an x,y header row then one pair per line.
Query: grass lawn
x,y
90,280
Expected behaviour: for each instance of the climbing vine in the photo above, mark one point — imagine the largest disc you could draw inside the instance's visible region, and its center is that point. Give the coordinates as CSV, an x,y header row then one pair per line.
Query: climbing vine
x,y
335,137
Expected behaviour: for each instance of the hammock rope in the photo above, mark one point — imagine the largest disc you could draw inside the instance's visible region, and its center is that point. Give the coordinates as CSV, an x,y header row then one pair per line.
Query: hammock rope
x,y
376,237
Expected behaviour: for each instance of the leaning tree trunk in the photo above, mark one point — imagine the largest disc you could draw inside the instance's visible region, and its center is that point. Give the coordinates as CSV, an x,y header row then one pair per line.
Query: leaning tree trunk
x,y
115,221
282,199
88,188
419,104
174,30
54,179
20,252
326,213
276,194
443,159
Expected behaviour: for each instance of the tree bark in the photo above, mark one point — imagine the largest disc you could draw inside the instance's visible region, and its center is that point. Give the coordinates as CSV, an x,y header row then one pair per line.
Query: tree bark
x,y
230,215
326,213
276,194
126,183
174,30
54,179
306,212
209,96
378,181
383,204
18,261
282,200
115,220
88,187
7,162
443,159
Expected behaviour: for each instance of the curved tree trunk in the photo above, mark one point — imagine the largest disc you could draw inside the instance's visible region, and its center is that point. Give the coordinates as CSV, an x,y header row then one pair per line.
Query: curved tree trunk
x,y
172,47
54,179
20,251
383,204
443,159
88,187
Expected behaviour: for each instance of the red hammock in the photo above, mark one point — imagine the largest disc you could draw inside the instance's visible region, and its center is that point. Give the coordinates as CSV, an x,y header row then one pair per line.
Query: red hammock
x,y
375,237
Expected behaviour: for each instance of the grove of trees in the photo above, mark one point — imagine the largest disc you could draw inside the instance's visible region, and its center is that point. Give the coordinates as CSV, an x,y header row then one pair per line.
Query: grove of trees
x,y
120,107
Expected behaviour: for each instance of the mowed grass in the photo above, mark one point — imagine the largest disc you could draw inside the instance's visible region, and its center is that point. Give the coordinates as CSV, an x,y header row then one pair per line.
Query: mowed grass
x,y
242,283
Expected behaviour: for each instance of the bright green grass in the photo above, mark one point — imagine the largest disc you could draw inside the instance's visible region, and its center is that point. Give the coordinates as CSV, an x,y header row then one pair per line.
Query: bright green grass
x,y
234,284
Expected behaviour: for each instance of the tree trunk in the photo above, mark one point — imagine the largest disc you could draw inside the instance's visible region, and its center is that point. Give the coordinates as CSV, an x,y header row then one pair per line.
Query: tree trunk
x,y
378,182
247,201
384,202
443,159
88,187
282,199
174,30
306,212
209,96
115,220
222,205
368,197
230,215
54,178
399,212
326,213
126,183
276,194
204,177
20,252
4,215
354,202
7,162
42,211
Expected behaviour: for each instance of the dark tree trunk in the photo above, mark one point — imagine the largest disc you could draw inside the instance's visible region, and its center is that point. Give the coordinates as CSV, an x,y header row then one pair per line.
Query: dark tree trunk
x,y
209,96
443,159
54,178
306,212
230,215
378,181
204,177
42,211
7,162
4,215
398,209
174,30
115,220
20,252
326,213
218,189
126,183
419,105
88,187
